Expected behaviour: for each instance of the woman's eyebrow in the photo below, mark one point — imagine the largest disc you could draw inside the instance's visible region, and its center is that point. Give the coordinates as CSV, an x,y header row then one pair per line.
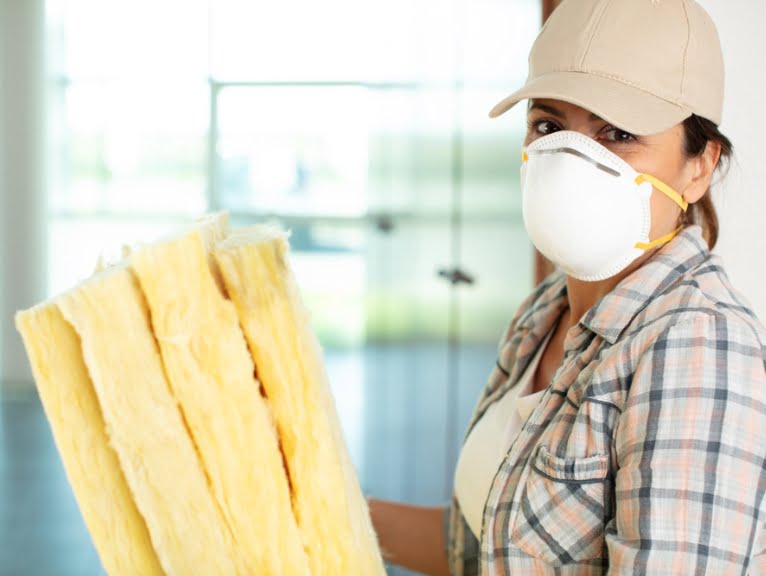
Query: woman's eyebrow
x,y
549,109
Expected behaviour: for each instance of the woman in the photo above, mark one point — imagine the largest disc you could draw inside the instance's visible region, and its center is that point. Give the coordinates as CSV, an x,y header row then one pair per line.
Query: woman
x,y
623,429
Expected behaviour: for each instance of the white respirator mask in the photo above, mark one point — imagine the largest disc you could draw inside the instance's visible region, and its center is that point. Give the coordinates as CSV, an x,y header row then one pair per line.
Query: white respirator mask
x,y
585,208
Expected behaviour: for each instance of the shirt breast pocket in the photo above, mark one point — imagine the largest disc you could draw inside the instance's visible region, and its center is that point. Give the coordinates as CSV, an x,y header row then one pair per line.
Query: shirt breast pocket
x,y
561,516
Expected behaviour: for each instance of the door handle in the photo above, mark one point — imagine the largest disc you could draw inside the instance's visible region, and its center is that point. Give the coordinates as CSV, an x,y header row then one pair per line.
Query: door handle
x,y
456,276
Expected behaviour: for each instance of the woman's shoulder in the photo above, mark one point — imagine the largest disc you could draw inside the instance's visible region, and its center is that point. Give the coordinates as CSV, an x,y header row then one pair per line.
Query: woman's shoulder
x,y
703,302
695,332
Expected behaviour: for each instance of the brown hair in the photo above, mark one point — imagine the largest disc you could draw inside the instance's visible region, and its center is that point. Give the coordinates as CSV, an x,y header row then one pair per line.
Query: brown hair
x,y
698,132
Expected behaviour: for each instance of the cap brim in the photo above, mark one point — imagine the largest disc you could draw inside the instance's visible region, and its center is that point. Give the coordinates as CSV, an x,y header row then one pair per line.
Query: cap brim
x,y
626,107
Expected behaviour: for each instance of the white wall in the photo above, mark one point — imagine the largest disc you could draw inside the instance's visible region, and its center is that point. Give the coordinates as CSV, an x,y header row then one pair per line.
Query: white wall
x,y
742,197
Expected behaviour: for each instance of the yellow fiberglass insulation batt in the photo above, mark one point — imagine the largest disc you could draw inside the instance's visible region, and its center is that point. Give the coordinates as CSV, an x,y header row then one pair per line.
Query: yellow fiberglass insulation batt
x,y
188,399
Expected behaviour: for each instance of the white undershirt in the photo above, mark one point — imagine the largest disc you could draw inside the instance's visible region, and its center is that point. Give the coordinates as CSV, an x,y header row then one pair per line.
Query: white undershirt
x,y
489,441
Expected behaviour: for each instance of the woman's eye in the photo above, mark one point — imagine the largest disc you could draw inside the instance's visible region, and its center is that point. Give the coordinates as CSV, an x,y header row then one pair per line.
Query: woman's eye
x,y
617,135
543,127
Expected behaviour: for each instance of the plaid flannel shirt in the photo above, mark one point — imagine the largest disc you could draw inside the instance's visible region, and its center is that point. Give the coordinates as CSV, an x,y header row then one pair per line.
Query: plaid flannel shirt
x,y
647,452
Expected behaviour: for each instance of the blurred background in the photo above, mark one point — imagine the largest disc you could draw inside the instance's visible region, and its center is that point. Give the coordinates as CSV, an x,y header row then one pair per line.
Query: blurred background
x,y
362,128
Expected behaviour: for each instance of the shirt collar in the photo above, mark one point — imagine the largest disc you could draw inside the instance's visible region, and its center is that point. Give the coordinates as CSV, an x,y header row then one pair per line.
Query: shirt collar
x,y
549,303
614,312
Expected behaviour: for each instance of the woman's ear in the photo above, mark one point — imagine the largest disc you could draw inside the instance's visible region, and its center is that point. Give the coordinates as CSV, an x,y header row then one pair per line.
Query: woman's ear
x,y
703,167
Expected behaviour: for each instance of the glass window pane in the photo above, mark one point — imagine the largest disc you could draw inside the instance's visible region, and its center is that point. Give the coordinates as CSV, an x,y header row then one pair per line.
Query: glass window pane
x,y
496,252
411,151
496,36
409,41
132,148
288,40
293,150
349,40
138,39
405,298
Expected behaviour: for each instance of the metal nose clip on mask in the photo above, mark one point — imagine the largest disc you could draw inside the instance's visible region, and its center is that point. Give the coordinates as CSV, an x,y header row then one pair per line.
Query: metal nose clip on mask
x,y
585,208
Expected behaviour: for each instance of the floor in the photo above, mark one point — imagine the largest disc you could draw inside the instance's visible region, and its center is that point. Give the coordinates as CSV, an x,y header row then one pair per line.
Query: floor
x,y
403,409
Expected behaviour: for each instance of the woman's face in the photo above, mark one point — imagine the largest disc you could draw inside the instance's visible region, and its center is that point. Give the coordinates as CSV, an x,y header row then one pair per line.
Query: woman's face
x,y
660,155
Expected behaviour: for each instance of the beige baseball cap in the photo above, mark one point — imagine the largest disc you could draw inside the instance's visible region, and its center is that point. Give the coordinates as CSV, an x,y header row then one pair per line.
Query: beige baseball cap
x,y
641,65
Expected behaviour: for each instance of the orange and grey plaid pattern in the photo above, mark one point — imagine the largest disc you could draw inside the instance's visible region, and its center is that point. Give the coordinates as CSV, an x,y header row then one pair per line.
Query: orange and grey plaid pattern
x,y
647,452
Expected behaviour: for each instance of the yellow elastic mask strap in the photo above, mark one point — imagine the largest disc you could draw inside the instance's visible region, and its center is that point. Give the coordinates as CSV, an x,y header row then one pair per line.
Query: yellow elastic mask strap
x,y
664,188
660,241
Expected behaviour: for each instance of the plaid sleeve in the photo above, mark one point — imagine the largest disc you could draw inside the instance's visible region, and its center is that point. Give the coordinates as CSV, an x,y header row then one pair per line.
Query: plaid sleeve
x,y
691,450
